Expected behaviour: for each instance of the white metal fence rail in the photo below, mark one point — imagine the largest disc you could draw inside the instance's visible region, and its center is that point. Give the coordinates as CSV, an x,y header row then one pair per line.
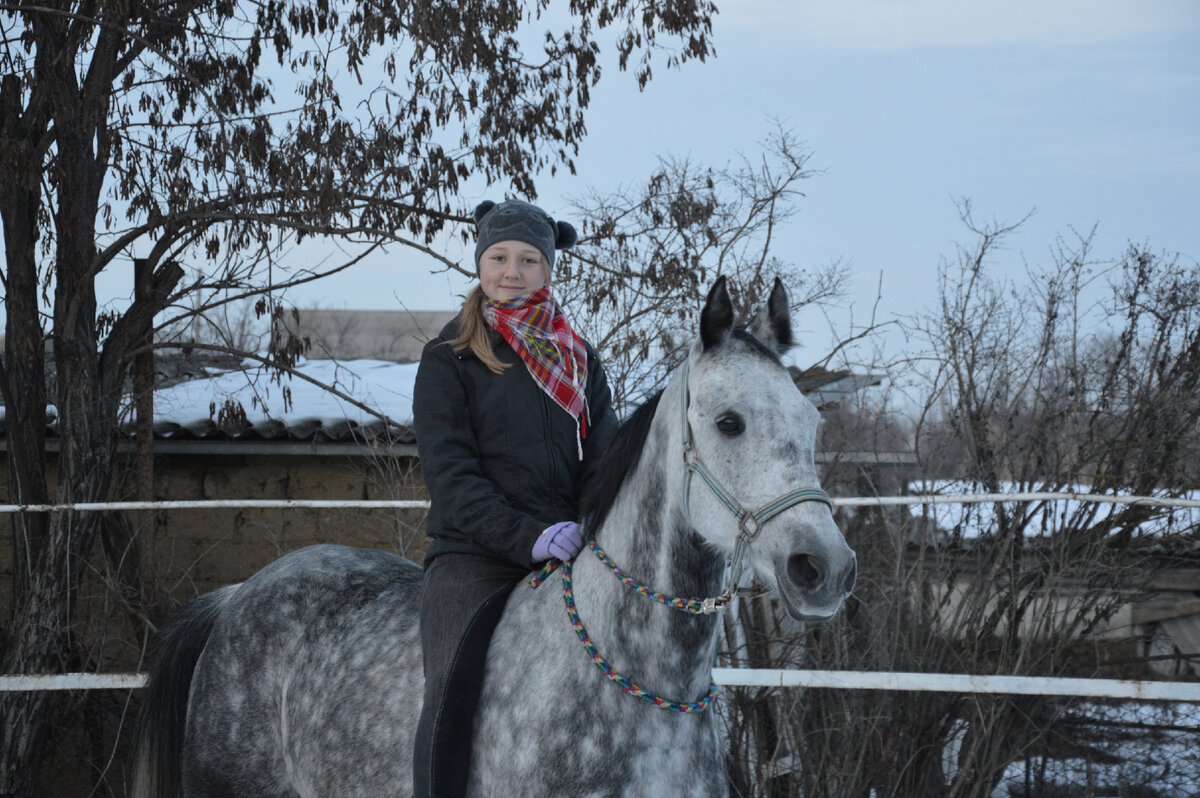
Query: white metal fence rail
x,y
412,504
765,677
856,680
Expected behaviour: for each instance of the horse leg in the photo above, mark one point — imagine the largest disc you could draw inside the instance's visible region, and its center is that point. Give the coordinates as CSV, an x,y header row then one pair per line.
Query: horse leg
x,y
234,725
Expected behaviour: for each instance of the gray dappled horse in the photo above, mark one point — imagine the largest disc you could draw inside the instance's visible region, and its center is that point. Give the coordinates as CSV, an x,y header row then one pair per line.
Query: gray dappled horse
x,y
307,677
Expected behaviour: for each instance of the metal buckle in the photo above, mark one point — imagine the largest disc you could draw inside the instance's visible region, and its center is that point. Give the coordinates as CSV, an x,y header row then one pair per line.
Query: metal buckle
x,y
744,523
718,604
690,456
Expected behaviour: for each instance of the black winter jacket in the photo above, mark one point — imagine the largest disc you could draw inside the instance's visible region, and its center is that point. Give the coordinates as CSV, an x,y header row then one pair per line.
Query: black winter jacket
x,y
499,457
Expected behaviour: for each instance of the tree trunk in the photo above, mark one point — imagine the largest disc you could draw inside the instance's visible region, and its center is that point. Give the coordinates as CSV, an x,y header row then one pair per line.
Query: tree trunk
x,y
47,570
23,382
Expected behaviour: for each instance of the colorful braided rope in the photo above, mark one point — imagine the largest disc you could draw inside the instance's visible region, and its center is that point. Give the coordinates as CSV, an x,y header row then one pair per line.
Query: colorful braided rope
x,y
608,670
693,606
547,569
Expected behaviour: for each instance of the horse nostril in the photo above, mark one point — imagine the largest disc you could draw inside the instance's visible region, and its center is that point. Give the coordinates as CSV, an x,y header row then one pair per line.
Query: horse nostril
x,y
805,571
850,578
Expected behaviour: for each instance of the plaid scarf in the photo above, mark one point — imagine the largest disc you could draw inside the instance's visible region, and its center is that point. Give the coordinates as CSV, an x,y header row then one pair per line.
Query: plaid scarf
x,y
538,331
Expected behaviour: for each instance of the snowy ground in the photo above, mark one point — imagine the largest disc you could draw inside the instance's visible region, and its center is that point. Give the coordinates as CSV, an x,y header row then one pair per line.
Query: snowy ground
x,y
974,520
1137,750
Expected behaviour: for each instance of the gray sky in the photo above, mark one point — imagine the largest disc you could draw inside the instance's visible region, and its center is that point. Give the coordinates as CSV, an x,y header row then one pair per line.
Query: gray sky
x,y
1086,110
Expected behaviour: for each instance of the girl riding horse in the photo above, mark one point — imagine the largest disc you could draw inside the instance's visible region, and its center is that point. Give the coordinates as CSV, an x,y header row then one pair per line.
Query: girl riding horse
x,y
304,680
511,411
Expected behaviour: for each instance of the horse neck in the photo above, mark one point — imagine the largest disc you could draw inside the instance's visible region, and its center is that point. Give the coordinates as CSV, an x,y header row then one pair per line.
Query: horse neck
x,y
648,535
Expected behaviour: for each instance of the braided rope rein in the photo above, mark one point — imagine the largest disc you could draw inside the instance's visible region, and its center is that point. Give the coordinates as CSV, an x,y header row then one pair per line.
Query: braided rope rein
x,y
691,606
694,606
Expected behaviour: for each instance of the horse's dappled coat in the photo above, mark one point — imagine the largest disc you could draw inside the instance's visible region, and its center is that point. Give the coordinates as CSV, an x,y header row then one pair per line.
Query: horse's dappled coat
x,y
310,678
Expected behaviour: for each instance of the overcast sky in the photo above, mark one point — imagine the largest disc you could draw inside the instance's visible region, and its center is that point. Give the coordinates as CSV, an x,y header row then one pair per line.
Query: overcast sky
x,y
1087,111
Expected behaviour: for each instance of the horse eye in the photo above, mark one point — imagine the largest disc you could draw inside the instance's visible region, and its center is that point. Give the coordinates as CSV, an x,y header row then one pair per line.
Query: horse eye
x,y
731,424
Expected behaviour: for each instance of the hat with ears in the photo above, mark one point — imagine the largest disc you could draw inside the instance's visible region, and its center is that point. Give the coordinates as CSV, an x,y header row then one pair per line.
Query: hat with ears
x,y
514,220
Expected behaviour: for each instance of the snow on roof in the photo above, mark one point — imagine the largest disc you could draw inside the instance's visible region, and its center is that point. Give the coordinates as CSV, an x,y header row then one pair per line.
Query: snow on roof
x,y
291,406
827,388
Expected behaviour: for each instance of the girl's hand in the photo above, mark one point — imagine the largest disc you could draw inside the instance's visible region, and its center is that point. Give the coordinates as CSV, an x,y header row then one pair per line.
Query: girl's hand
x,y
562,542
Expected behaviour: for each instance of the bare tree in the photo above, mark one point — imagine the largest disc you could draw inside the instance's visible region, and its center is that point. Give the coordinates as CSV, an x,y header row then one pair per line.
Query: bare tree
x,y
238,326
1078,376
637,280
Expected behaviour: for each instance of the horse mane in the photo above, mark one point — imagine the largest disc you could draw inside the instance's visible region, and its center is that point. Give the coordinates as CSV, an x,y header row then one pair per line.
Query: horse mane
x,y
625,451
620,459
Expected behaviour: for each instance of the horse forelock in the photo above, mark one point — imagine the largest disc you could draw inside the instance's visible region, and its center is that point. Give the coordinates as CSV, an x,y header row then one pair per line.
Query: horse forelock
x,y
756,346
737,360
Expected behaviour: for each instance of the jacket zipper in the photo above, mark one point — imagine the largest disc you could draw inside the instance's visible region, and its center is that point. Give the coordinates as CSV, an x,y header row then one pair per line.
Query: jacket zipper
x,y
553,472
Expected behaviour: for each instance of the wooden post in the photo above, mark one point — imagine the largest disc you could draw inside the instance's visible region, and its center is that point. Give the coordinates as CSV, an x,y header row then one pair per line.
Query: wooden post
x,y
143,405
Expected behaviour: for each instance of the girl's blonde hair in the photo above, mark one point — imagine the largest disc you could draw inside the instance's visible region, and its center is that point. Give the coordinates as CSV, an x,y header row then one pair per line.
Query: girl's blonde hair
x,y
474,330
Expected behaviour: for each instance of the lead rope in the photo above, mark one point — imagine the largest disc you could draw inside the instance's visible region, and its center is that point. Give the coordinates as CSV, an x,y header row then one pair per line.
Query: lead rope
x,y
704,606
599,661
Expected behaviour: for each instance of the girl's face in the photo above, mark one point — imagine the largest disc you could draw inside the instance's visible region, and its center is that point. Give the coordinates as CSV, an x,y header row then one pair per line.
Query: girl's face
x,y
509,269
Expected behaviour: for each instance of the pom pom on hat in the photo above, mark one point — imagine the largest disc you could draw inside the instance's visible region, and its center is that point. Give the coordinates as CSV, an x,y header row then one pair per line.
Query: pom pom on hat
x,y
481,210
514,220
566,236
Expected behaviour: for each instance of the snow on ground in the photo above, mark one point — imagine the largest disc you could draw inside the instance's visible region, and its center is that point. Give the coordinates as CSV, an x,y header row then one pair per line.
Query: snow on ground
x,y
974,520
1139,750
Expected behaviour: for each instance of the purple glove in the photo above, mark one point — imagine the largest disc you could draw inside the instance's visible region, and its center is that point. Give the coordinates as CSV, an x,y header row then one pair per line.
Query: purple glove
x,y
562,542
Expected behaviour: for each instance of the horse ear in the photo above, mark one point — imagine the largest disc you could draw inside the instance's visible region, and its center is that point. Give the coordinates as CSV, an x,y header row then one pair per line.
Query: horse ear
x,y
773,323
716,320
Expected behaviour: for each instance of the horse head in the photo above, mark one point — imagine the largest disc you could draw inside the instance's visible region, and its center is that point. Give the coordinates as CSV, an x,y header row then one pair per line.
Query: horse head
x,y
751,436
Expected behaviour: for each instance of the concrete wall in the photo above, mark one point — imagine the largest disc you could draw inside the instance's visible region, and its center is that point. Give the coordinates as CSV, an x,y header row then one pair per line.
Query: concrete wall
x,y
213,547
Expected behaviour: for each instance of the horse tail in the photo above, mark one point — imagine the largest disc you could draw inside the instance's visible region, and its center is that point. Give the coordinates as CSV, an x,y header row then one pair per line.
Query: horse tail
x,y
158,771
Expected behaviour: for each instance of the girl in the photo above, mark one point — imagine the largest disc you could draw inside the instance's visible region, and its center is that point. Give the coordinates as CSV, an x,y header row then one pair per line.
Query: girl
x,y
511,411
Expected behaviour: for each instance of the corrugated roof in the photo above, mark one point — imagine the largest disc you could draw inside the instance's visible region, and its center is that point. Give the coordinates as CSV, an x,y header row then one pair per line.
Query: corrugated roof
x,y
279,407
251,403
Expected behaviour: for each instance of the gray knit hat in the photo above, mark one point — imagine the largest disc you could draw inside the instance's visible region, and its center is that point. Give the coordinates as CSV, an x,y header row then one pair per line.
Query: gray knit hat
x,y
514,220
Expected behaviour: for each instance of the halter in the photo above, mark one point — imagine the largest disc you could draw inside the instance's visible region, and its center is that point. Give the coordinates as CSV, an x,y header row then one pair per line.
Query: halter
x,y
750,523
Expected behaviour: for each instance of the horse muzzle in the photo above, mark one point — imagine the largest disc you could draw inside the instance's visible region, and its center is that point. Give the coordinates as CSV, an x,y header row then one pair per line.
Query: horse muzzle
x,y
814,581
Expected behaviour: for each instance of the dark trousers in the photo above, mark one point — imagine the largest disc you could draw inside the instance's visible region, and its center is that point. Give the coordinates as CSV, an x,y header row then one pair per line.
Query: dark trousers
x,y
461,604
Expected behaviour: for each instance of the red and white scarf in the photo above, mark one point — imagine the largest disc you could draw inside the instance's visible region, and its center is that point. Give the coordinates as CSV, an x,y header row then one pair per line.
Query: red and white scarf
x,y
538,331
